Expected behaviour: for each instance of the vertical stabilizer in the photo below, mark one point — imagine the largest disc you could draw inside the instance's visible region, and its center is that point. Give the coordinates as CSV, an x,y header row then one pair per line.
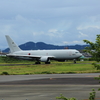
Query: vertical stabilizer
x,y
12,45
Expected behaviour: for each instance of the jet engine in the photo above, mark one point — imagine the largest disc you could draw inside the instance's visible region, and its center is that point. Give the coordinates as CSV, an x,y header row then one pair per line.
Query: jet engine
x,y
44,59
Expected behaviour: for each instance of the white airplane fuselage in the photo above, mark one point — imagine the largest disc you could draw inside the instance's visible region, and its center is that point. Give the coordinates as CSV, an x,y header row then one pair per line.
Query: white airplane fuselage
x,y
57,54
42,55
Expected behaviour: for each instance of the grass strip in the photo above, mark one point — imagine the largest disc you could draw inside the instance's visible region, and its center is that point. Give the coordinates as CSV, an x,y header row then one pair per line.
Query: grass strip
x,y
53,68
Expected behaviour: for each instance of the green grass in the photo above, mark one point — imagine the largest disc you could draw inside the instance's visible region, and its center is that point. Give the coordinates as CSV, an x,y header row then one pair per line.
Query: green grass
x,y
53,68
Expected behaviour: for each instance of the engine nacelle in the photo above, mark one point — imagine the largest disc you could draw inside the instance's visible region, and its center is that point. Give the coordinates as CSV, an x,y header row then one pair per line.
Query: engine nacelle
x,y
44,59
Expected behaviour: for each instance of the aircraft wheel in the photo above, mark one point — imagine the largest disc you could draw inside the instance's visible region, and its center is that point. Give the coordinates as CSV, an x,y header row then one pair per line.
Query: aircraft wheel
x,y
47,62
37,62
74,61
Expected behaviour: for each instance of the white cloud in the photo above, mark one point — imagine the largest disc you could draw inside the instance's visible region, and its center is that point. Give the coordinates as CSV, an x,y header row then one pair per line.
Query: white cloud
x,y
77,42
82,35
35,33
72,42
87,27
65,42
51,21
38,33
53,31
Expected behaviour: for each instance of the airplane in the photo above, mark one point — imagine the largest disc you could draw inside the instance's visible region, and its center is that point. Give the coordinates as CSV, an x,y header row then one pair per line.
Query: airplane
x,y
42,55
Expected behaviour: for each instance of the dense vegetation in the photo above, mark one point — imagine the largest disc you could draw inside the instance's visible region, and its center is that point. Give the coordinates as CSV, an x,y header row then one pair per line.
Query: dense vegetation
x,y
94,50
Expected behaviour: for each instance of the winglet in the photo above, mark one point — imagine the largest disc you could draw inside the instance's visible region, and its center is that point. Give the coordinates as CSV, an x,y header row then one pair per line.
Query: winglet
x,y
13,46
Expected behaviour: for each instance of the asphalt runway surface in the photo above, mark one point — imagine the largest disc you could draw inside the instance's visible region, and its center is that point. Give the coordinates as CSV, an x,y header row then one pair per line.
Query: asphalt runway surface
x,y
48,86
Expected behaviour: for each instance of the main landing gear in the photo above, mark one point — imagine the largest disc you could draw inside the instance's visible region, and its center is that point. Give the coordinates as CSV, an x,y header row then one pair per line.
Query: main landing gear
x,y
37,62
40,62
74,61
47,62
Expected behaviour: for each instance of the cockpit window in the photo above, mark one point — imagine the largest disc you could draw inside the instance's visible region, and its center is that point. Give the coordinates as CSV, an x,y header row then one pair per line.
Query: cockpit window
x,y
76,52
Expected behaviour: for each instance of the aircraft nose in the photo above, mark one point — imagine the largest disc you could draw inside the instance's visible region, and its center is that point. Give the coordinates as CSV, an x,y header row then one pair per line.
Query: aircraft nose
x,y
81,54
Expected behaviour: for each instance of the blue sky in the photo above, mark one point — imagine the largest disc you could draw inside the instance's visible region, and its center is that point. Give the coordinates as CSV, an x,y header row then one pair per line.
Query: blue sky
x,y
59,22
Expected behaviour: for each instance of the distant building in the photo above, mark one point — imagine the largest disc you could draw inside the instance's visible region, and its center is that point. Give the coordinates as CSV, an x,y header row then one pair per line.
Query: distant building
x,y
2,54
66,48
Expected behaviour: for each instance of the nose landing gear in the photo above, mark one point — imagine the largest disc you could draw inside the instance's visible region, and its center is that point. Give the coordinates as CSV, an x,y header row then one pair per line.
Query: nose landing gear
x,y
74,61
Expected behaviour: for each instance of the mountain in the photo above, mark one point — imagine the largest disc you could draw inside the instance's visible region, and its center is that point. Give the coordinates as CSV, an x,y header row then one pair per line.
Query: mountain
x,y
44,46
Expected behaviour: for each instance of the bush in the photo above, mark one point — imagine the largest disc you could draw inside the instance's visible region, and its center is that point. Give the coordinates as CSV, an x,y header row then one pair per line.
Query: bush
x,y
4,73
96,66
92,95
64,98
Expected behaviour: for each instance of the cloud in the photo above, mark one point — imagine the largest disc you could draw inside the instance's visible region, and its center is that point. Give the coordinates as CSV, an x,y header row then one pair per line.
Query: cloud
x,y
77,42
87,27
53,31
22,19
50,21
82,35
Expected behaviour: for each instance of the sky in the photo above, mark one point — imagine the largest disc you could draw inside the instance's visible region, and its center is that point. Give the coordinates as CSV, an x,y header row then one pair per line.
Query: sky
x,y
58,22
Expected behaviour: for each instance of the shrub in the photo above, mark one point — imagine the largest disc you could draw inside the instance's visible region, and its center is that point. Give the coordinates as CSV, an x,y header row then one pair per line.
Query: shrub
x,y
4,73
64,98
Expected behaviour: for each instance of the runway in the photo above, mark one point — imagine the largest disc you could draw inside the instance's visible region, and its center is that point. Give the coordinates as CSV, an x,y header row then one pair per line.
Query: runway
x,y
48,86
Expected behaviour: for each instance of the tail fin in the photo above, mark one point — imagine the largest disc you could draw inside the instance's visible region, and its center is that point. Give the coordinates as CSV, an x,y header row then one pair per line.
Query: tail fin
x,y
13,46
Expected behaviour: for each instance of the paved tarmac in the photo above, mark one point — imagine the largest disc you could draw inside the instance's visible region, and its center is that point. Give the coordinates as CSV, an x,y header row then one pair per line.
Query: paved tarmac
x,y
48,86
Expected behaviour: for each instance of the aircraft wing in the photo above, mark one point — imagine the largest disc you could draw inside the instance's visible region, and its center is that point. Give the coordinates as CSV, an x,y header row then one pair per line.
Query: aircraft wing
x,y
16,55
30,56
